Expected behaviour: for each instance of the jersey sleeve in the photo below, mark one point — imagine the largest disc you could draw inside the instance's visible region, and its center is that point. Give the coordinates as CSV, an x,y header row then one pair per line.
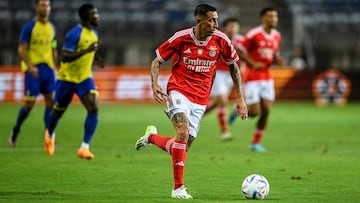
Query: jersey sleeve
x,y
277,50
229,53
25,33
167,49
72,38
245,43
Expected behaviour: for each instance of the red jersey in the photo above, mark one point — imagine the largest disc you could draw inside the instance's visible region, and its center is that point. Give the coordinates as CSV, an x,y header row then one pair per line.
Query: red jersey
x,y
261,47
237,41
193,71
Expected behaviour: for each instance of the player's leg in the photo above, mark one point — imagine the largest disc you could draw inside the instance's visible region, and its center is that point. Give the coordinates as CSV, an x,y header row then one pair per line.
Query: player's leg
x,y
232,116
49,103
47,88
260,126
31,91
187,125
63,94
267,94
152,137
89,98
211,105
178,153
221,115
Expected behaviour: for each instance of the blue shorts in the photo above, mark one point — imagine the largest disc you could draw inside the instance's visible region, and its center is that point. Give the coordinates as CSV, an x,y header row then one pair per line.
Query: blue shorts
x,y
64,91
44,84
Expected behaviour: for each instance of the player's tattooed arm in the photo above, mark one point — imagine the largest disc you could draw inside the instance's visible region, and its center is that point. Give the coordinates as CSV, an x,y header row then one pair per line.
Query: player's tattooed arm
x,y
158,93
236,77
241,107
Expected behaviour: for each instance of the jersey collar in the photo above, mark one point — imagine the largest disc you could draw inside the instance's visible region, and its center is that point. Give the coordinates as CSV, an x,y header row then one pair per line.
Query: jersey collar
x,y
197,42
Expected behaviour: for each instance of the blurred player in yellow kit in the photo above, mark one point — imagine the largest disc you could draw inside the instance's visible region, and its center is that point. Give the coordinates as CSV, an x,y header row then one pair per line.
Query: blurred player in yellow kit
x,y
75,77
37,51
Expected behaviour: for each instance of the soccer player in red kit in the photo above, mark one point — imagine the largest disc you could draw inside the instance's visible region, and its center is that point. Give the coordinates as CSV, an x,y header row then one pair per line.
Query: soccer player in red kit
x,y
197,50
223,83
261,47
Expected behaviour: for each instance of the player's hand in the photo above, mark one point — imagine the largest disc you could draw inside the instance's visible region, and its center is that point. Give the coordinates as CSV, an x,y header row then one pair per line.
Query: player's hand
x,y
258,66
241,109
280,61
158,93
93,47
34,71
100,62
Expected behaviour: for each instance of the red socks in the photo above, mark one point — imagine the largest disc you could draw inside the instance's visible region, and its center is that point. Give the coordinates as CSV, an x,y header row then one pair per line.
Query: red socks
x,y
177,149
178,152
165,143
257,136
221,114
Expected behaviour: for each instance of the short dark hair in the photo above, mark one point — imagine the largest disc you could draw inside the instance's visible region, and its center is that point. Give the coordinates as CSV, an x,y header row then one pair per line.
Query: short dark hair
x,y
37,1
230,20
84,10
202,9
265,10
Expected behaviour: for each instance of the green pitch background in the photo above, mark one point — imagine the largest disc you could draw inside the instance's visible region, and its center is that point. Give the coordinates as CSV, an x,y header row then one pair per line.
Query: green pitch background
x,y
313,156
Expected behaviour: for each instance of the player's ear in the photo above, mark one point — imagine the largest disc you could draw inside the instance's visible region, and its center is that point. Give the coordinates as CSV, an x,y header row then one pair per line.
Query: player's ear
x,y
198,19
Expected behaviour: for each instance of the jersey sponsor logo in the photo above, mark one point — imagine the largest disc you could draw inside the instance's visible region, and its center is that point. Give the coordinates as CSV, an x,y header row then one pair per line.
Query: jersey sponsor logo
x,y
198,65
266,53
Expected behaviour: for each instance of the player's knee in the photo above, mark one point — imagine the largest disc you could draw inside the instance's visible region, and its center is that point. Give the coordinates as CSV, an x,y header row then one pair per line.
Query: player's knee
x,y
93,109
223,101
182,131
189,142
181,125
254,113
254,110
57,114
265,112
28,105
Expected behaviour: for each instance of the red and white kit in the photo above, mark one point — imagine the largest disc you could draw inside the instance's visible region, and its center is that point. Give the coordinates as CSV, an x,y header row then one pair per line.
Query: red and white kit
x,y
223,82
261,47
194,63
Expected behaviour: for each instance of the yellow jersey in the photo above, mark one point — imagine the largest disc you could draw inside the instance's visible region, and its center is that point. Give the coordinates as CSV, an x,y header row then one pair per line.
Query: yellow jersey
x,y
40,38
78,38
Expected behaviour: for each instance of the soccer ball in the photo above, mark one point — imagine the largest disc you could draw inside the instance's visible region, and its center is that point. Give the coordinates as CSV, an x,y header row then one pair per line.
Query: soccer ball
x,y
255,186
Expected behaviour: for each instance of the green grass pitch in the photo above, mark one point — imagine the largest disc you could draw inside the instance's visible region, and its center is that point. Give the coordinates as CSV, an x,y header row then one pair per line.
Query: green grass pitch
x,y
313,156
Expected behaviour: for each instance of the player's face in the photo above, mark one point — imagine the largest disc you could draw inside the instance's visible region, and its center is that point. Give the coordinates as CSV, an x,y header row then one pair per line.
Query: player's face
x,y
94,17
232,29
43,8
209,23
270,19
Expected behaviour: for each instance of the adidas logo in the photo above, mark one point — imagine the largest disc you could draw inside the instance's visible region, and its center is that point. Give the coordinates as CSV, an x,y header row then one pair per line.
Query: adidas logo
x,y
187,51
181,163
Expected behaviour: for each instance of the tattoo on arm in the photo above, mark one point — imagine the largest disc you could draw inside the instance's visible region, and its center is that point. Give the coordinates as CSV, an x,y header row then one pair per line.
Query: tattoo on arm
x,y
180,118
155,66
236,77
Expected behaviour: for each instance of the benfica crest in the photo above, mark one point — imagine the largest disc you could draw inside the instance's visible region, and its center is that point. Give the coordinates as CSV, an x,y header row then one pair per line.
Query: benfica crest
x,y
212,51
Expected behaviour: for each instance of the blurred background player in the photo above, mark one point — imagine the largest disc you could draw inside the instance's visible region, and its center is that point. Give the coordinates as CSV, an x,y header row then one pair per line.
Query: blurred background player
x,y
75,77
37,51
260,48
198,49
223,83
